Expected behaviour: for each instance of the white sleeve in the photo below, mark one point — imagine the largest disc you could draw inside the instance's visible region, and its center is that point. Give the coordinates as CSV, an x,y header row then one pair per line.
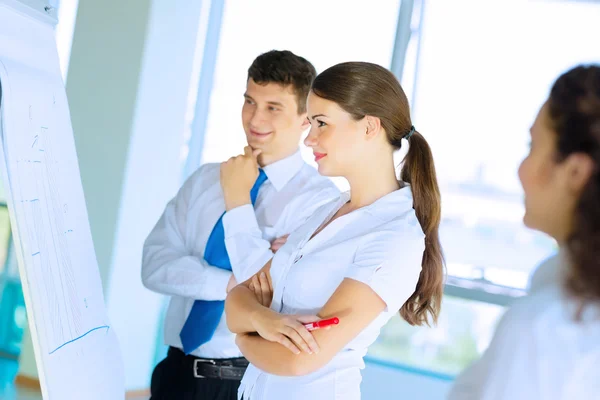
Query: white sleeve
x,y
168,267
247,249
507,369
390,264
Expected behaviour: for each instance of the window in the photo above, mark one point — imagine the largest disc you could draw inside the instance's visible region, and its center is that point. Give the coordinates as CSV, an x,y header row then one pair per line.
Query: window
x,y
5,234
483,71
464,330
12,306
325,33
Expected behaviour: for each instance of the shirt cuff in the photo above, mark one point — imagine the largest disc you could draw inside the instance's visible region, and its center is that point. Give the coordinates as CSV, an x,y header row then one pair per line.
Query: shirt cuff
x,y
219,279
256,266
240,220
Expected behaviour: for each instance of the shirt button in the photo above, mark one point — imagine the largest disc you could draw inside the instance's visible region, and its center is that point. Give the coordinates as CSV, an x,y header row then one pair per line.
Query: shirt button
x,y
298,258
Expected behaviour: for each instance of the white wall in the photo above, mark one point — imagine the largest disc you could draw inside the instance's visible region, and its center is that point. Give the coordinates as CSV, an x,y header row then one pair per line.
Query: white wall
x,y
152,176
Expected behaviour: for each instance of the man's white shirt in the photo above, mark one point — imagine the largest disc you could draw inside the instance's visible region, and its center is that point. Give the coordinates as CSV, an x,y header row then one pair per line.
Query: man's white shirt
x,y
173,258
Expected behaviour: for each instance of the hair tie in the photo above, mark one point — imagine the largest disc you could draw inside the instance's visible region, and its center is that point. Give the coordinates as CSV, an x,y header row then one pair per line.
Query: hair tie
x,y
410,133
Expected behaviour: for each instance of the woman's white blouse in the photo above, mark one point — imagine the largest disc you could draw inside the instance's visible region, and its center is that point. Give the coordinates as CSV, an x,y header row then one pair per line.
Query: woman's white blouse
x,y
539,350
380,245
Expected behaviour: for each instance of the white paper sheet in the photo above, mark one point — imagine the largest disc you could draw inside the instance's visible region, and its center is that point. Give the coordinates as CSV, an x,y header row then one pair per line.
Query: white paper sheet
x,y
76,350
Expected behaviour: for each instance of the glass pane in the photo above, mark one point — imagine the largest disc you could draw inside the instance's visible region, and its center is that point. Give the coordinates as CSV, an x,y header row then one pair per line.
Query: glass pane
x,y
2,192
324,32
484,71
464,331
4,236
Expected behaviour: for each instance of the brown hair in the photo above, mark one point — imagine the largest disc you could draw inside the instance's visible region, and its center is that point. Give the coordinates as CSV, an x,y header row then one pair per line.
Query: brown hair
x,y
287,69
363,89
574,111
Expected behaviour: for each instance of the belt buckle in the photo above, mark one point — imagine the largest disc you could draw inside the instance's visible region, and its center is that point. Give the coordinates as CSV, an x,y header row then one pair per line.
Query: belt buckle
x,y
196,362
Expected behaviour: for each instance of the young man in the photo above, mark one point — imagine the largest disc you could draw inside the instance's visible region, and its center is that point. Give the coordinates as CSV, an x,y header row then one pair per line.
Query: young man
x,y
185,255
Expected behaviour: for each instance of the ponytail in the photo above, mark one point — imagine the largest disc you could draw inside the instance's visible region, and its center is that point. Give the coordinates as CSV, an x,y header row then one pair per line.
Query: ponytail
x,y
418,170
363,89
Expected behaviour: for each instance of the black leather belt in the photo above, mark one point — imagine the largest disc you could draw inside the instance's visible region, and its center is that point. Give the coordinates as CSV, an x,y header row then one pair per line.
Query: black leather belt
x,y
204,369
228,368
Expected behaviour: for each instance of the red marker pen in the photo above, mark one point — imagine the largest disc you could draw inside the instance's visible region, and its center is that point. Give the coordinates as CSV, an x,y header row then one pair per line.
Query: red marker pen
x,y
322,323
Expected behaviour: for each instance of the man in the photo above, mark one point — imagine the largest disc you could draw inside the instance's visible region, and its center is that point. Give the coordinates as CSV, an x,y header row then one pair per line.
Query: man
x,y
185,255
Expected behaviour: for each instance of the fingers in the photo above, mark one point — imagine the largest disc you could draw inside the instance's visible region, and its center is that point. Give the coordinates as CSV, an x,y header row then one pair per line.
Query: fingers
x,y
282,239
223,167
287,331
286,342
262,288
276,246
297,339
278,243
231,284
266,290
270,280
298,334
252,153
249,152
306,319
306,336
256,289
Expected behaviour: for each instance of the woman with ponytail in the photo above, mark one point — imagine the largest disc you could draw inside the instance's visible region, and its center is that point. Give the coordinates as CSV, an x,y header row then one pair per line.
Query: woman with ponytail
x,y
362,258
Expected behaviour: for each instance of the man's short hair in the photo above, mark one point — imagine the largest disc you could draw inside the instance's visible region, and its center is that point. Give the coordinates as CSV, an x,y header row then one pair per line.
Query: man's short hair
x,y
285,68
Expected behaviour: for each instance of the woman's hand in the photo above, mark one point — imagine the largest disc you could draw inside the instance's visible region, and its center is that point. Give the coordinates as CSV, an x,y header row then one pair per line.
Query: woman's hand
x,y
238,175
288,330
263,289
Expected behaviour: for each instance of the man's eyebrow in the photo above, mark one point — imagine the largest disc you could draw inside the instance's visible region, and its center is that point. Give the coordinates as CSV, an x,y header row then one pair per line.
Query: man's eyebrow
x,y
273,103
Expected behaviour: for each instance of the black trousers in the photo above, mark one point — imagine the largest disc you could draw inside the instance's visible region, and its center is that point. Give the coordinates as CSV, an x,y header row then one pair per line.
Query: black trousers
x,y
173,379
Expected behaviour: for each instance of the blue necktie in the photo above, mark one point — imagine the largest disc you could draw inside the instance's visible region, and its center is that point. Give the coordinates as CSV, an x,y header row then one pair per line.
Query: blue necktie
x,y
204,317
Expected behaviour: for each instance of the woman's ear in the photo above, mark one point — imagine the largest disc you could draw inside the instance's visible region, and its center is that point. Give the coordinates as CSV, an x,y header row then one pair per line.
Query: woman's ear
x,y
579,167
373,126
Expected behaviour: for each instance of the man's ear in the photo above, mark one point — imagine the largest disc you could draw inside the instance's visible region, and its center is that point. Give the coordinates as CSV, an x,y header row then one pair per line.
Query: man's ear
x,y
305,121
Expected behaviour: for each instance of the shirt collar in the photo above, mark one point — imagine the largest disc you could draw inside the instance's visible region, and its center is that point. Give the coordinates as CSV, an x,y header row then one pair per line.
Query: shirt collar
x,y
389,206
396,205
282,171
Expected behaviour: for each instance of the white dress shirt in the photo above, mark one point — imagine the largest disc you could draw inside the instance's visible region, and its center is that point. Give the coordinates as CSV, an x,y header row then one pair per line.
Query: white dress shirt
x,y
380,245
173,260
538,350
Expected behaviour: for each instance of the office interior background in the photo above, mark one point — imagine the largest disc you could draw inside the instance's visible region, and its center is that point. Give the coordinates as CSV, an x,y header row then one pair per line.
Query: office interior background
x,y
155,89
